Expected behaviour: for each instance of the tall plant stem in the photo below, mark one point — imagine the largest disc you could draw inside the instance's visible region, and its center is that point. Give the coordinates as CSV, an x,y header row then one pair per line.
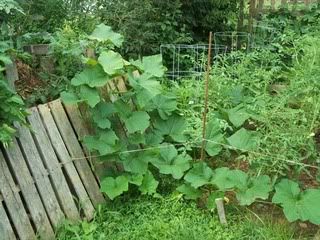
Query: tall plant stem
x,y
206,98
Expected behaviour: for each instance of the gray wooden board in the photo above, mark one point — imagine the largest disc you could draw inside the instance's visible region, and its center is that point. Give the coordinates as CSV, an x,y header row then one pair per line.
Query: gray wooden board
x,y
53,166
76,152
40,175
14,203
6,231
81,128
65,159
29,191
12,74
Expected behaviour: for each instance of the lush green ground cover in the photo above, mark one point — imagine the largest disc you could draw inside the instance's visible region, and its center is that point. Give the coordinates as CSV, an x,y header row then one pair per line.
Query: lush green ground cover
x,y
172,218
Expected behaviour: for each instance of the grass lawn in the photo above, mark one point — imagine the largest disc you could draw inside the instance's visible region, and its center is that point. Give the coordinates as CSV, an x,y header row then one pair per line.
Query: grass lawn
x,y
146,218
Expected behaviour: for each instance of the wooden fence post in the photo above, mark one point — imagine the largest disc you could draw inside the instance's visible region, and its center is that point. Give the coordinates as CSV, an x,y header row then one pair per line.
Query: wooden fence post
x,y
260,6
12,74
241,16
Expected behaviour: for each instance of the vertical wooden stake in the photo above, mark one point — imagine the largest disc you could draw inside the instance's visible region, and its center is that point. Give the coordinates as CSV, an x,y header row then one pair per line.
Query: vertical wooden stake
x,y
206,98
221,212
12,74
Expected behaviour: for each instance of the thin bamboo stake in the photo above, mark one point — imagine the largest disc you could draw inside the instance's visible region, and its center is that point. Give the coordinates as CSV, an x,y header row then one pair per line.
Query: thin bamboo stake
x,y
206,98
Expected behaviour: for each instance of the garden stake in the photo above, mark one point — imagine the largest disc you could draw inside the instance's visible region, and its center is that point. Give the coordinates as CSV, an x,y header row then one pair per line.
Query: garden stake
x,y
206,98
221,212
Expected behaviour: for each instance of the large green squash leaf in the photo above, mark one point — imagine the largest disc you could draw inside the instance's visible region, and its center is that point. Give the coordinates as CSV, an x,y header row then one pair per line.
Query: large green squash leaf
x,y
104,33
111,62
257,188
214,137
106,143
149,184
298,205
137,162
114,187
89,95
137,122
91,76
145,88
199,175
151,65
244,140
238,115
189,192
174,127
170,162
164,104
101,113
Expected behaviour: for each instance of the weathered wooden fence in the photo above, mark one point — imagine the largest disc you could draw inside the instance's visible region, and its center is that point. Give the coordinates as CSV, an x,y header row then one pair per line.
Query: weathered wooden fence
x,y
45,176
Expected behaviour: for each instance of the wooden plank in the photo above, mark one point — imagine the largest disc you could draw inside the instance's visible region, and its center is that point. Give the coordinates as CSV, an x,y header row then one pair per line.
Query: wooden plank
x,y
6,230
29,191
65,159
53,166
40,175
76,152
12,74
14,203
79,125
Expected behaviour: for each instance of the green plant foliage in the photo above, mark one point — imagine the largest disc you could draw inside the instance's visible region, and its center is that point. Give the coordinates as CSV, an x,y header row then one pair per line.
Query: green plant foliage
x,y
243,140
199,175
189,192
170,162
103,33
111,62
215,138
297,205
137,122
114,187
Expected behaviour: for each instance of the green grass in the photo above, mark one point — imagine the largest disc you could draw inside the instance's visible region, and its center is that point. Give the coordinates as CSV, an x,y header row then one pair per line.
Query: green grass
x,y
169,218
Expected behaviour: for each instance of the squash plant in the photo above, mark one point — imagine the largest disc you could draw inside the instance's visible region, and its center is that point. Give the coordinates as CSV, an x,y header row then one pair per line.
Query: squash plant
x,y
142,131
147,116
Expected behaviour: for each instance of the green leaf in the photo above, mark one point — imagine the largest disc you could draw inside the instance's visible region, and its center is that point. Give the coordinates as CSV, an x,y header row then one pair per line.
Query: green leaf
x,y
165,105
214,137
238,115
104,33
222,179
152,65
244,140
114,187
137,122
135,179
199,175
189,192
90,95
101,113
106,143
174,127
149,184
137,162
211,202
91,76
123,109
145,88
172,163
69,98
257,188
287,195
111,62
310,210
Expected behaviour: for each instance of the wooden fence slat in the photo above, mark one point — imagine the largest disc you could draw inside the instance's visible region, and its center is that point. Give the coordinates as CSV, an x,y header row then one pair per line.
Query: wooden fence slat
x,y
14,204
76,152
29,191
65,159
52,163
6,230
40,176
79,125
